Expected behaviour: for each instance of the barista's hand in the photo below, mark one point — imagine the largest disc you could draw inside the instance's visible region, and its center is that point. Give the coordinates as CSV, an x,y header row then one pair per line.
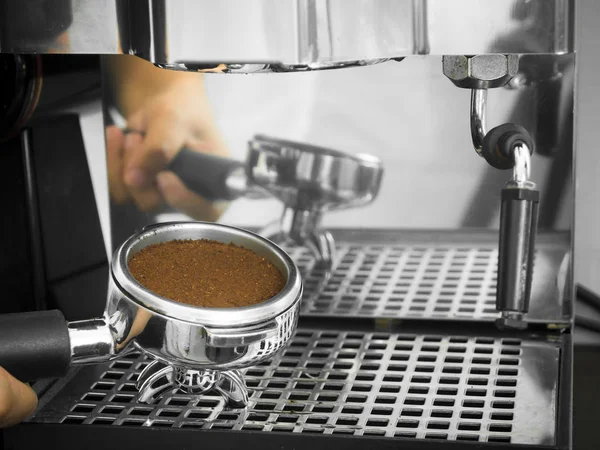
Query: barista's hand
x,y
17,400
170,110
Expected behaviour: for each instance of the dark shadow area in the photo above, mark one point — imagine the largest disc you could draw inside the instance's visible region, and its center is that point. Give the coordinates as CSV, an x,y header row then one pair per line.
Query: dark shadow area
x,y
586,398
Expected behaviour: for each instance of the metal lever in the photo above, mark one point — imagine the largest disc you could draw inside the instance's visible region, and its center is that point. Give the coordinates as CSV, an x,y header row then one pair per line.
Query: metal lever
x,y
518,229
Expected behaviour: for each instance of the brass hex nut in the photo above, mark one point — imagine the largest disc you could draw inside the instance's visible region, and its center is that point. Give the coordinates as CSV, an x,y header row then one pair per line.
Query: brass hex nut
x,y
480,71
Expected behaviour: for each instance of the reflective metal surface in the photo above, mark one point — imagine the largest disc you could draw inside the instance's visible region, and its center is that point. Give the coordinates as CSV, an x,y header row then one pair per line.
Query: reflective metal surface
x,y
480,71
124,288
522,169
310,181
433,180
302,227
306,177
91,341
286,36
477,118
424,385
519,199
355,383
194,337
430,276
159,378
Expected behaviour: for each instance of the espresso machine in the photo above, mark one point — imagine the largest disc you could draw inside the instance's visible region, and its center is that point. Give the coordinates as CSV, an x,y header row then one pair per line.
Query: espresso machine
x,y
436,336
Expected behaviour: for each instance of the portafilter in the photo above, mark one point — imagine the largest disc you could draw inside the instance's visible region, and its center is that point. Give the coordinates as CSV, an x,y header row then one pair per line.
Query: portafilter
x,y
308,180
193,349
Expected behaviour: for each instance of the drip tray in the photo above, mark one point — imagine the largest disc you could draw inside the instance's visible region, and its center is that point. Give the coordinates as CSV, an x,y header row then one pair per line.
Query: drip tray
x,y
346,379
447,275
455,388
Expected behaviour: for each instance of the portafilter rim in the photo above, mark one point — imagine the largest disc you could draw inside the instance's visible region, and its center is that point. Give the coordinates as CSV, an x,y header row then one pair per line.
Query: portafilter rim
x,y
260,141
210,317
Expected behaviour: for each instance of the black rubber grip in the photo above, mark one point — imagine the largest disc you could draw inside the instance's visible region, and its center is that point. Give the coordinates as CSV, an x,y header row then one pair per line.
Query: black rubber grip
x,y
34,345
516,251
205,174
499,143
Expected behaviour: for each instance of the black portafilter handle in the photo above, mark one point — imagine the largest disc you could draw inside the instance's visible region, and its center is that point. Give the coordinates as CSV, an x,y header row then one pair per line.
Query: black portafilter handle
x,y
205,174
35,345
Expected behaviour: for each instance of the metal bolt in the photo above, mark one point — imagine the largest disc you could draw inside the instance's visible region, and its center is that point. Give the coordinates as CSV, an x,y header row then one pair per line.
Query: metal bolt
x,y
480,71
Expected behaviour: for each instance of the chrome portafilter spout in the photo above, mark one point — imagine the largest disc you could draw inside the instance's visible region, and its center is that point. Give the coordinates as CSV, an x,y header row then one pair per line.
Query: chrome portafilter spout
x,y
310,181
159,378
302,228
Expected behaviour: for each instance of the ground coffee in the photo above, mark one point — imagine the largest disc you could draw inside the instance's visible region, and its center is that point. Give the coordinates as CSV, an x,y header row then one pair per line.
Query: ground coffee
x,y
206,273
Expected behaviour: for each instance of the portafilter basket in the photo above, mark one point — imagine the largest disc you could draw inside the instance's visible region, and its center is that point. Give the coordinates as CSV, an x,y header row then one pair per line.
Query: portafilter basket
x,y
193,349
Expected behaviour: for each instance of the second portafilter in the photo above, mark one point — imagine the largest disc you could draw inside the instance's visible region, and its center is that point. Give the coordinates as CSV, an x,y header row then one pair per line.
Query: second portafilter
x,y
308,180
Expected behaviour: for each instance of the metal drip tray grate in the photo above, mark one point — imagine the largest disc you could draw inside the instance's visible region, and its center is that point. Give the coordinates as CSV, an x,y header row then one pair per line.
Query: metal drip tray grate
x,y
411,275
351,383
404,281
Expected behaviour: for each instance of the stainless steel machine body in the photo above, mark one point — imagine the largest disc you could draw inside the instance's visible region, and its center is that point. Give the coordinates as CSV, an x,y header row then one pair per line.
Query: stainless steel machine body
x,y
397,343
297,35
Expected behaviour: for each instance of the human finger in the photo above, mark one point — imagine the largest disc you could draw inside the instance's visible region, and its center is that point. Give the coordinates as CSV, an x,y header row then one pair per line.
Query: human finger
x,y
177,195
146,157
17,400
140,186
114,164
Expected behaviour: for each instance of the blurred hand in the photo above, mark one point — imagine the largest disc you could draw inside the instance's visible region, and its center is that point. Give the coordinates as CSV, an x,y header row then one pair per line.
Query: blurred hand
x,y
167,121
17,400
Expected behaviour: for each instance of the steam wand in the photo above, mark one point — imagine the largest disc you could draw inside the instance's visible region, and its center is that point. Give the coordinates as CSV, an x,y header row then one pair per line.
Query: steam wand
x,y
508,146
518,226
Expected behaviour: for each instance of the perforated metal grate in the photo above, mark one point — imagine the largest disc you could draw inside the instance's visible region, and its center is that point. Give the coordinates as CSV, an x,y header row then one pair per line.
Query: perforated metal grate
x,y
400,275
328,382
372,280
